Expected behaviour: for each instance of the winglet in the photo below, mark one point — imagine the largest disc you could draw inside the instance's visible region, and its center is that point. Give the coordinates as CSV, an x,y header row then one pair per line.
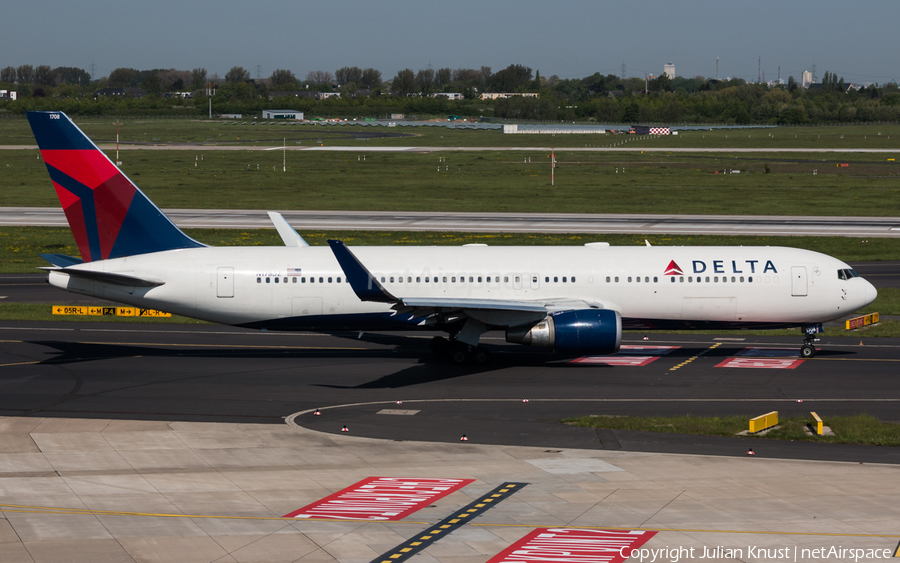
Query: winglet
x,y
361,280
286,231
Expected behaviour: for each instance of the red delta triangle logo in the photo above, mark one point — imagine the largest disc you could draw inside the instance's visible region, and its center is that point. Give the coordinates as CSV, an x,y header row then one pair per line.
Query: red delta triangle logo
x,y
673,270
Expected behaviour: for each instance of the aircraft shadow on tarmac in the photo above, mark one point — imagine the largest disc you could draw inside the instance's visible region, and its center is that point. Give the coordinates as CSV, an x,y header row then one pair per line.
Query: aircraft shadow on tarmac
x,y
427,369
76,352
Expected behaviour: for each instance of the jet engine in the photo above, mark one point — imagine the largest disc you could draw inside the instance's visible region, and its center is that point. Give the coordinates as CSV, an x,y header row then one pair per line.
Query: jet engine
x,y
583,331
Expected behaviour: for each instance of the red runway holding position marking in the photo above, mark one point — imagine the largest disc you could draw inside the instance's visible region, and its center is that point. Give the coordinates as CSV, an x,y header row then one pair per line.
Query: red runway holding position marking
x,y
567,544
380,498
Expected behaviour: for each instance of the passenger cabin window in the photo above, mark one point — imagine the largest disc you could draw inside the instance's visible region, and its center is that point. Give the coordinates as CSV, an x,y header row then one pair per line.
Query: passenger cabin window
x,y
258,280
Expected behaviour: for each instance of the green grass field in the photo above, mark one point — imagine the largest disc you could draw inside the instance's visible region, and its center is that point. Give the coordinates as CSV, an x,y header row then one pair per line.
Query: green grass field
x,y
15,131
492,181
857,429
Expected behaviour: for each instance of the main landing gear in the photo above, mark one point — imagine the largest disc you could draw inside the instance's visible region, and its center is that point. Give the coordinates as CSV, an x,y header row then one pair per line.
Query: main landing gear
x,y
459,353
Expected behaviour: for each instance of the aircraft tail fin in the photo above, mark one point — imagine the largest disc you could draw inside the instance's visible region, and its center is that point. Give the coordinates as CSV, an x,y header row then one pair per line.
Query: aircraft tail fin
x,y
109,215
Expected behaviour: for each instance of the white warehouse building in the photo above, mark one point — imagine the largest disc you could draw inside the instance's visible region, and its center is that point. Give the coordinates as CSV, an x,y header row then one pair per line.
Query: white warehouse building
x,y
282,114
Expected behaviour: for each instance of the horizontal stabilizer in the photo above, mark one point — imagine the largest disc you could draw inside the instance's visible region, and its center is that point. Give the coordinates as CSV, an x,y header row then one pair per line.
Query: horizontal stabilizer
x,y
61,260
110,278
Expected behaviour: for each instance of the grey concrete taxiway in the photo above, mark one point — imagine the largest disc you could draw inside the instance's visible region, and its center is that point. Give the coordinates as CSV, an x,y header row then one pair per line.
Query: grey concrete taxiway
x,y
502,222
88,490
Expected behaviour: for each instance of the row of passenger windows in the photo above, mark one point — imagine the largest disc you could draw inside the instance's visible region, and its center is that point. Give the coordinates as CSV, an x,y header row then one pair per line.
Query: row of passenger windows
x,y
294,279
496,279
472,279
690,279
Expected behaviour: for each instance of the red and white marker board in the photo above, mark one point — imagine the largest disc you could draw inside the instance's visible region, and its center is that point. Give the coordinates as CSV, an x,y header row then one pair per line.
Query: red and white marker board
x,y
634,361
380,498
761,363
629,355
565,544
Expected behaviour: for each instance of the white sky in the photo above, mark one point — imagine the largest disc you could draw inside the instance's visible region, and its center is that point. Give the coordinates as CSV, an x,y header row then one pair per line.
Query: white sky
x,y
569,38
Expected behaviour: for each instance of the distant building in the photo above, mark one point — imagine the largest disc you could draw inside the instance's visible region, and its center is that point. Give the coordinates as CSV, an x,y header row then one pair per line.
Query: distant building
x,y
501,95
669,70
326,95
282,114
806,79
448,95
9,95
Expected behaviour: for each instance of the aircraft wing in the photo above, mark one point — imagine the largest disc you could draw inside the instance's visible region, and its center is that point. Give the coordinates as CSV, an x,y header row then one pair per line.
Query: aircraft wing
x,y
496,312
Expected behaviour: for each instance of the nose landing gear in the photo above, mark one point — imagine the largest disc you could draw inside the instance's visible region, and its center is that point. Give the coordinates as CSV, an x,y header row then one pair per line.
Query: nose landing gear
x,y
808,350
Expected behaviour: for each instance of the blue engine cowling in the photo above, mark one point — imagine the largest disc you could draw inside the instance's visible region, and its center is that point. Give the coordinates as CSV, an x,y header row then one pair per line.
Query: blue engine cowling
x,y
583,331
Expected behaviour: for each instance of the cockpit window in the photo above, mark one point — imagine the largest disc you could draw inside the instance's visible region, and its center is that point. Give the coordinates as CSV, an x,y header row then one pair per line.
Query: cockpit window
x,y
853,273
847,274
842,274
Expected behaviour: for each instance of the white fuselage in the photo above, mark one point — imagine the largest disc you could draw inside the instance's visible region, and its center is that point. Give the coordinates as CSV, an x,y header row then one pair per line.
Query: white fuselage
x,y
305,288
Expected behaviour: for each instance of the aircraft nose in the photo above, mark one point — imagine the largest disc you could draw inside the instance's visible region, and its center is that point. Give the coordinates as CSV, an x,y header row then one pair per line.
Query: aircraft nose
x,y
871,292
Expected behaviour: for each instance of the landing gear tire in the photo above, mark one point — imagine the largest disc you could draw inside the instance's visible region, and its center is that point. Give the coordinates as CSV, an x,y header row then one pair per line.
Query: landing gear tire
x,y
481,356
807,351
459,356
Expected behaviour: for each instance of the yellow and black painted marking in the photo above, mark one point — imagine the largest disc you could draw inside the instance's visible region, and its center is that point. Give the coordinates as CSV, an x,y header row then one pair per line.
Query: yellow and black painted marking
x,y
107,311
459,518
692,358
897,550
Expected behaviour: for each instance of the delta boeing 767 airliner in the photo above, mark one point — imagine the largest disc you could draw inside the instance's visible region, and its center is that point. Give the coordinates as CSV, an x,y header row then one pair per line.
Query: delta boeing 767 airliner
x,y
575,300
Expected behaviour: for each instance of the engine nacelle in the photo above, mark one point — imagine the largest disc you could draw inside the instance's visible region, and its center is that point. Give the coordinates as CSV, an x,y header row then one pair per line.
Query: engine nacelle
x,y
595,331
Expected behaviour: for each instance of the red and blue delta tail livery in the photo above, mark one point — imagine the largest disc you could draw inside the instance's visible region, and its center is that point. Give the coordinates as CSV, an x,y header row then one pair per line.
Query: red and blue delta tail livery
x,y
109,216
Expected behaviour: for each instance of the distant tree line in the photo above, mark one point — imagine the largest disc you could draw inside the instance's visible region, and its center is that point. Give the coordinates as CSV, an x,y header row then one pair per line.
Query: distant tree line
x,y
365,93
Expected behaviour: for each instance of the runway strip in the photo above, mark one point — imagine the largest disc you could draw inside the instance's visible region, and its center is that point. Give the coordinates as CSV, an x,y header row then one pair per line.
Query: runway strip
x,y
501,222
